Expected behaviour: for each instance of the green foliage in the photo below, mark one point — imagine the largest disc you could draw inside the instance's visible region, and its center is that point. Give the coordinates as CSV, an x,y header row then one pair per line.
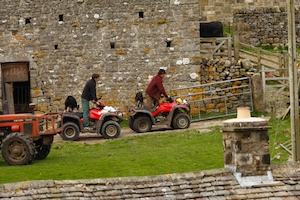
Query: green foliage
x,y
279,133
124,123
227,30
272,82
256,113
140,155
273,49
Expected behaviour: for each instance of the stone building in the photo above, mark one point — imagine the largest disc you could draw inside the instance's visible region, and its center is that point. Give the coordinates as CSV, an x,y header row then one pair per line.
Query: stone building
x,y
49,49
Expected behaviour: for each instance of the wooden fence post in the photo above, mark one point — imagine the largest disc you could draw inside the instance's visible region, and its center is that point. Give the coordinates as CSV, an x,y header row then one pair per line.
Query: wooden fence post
x,y
280,62
263,77
229,45
285,63
236,44
258,58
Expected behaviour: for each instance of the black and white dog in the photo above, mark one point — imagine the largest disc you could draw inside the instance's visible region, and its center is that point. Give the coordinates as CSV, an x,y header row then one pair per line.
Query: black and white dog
x,y
139,99
71,104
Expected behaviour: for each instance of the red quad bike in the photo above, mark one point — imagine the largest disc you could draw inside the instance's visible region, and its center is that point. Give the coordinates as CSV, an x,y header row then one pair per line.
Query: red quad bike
x,y
173,114
104,120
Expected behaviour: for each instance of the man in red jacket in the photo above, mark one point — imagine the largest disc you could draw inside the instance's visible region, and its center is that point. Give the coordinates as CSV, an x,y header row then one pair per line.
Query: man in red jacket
x,y
155,90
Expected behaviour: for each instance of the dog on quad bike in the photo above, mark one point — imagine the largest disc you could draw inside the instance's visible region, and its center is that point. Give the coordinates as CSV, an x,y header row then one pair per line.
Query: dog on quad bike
x,y
71,104
104,120
139,99
173,114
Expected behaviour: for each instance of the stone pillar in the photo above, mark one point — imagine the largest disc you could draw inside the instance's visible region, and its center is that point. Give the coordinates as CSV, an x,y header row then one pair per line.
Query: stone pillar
x,y
246,149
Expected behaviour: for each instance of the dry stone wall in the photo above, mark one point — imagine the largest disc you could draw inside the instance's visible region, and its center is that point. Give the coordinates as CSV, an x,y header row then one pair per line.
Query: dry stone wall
x,y
228,75
222,10
212,70
264,26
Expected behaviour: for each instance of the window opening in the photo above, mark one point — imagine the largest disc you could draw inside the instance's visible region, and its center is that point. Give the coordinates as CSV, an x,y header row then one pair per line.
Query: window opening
x,y
61,17
112,45
168,43
141,14
56,46
27,21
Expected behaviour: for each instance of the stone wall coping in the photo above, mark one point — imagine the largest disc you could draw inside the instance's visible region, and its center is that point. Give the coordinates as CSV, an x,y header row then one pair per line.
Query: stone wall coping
x,y
246,124
249,119
112,181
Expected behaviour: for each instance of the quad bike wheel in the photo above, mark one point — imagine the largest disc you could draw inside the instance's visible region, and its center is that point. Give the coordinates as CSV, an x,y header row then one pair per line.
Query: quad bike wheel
x,y
130,123
43,147
110,130
18,149
181,121
142,124
42,152
70,132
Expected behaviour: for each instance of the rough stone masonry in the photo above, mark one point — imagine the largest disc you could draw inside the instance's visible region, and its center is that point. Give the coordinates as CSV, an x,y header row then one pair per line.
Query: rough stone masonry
x,y
126,42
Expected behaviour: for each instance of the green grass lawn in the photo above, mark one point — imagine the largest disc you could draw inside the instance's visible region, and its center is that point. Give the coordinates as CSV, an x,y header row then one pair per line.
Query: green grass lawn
x,y
143,155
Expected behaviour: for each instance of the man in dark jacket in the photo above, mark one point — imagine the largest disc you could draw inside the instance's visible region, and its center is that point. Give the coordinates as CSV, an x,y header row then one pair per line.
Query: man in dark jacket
x,y
89,94
155,90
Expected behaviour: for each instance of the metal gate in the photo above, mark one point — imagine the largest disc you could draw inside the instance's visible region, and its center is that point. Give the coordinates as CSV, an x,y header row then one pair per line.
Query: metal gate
x,y
218,99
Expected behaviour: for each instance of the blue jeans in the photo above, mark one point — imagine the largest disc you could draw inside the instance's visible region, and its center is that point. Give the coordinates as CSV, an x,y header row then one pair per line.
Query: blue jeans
x,y
86,112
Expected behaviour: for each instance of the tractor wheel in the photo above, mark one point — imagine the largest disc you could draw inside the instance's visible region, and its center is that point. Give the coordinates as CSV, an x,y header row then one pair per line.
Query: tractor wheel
x,y
142,124
110,130
130,123
181,121
42,152
70,132
18,149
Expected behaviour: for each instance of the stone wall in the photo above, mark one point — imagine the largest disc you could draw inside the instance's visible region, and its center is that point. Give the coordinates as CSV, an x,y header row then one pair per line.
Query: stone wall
x,y
126,42
246,146
222,10
208,184
217,71
221,85
264,26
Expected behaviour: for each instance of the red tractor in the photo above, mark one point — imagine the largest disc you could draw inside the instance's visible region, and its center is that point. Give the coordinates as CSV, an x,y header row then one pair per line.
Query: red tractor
x,y
25,137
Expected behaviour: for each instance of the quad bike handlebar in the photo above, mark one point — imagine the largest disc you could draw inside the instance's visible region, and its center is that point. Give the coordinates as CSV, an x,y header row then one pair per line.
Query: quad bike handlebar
x,y
169,99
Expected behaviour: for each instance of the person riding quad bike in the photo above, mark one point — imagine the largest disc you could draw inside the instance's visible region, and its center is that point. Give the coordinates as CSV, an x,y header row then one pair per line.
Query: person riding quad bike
x,y
155,90
104,120
171,114
149,111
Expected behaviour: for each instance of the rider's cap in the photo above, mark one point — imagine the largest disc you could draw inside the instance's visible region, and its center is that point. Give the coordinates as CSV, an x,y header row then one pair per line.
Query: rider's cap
x,y
161,71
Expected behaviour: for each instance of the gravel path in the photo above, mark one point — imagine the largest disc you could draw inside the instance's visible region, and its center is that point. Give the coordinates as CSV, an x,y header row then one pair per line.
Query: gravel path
x,y
93,138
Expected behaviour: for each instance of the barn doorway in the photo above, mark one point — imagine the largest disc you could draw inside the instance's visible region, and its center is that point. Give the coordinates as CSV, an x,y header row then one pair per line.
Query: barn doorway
x,y
15,87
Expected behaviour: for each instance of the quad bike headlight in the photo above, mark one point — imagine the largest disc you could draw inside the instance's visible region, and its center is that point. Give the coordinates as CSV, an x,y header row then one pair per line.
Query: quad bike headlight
x,y
178,100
